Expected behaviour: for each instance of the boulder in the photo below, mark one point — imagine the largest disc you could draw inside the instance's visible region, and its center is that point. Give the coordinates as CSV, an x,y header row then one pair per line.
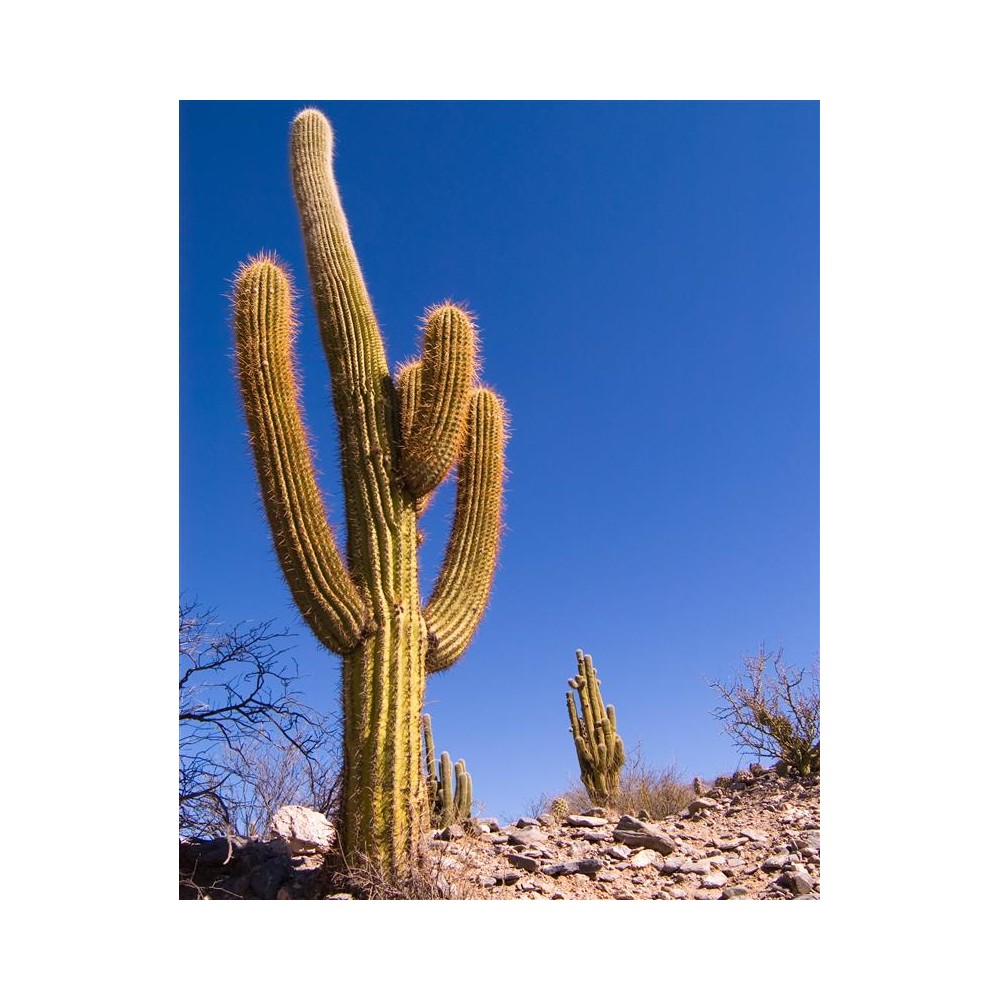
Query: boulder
x,y
304,830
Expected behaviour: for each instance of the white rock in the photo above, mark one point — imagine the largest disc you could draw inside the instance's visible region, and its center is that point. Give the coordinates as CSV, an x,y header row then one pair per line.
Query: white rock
x,y
304,830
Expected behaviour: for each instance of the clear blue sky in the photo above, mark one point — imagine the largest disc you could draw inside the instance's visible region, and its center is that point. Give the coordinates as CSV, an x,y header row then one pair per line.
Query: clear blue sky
x,y
646,281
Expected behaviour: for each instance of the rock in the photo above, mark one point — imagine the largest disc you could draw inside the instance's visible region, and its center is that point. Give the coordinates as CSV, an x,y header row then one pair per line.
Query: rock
x,y
523,861
714,880
636,833
735,892
647,856
528,837
730,845
305,831
453,832
586,866
701,805
617,851
592,822
757,836
547,819
799,883
525,822
775,862
266,879
596,811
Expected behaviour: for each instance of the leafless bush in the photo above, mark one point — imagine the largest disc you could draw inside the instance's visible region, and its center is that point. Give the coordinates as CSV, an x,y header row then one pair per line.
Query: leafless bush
x,y
248,745
772,710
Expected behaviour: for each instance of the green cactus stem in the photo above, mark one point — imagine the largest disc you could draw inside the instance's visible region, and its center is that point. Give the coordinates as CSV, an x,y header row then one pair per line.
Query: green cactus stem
x,y
399,439
599,748
449,789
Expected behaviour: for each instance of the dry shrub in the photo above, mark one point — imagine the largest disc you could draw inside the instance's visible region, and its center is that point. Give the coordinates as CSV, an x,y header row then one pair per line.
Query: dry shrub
x,y
362,878
659,792
772,710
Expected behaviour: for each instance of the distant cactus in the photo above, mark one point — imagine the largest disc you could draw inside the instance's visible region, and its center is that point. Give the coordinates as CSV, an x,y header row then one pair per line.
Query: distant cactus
x,y
399,439
559,808
448,790
599,748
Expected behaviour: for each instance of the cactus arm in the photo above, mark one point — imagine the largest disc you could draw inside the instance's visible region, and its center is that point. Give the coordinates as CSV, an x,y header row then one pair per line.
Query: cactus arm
x,y
460,595
434,429
320,583
358,368
408,379
463,791
447,792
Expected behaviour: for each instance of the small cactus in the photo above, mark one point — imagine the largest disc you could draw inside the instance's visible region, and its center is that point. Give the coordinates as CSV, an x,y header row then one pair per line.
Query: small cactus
x,y
449,790
599,748
559,808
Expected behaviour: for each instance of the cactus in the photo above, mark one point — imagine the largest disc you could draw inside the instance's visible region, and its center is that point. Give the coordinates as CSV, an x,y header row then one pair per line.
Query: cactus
x,y
448,804
599,748
399,438
559,807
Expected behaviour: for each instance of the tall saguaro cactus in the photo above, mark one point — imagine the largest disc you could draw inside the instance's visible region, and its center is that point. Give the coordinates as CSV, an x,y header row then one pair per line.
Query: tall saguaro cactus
x,y
599,748
399,438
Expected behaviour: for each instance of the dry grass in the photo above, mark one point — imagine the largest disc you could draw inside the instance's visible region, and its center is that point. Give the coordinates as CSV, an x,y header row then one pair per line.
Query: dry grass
x,y
439,876
658,792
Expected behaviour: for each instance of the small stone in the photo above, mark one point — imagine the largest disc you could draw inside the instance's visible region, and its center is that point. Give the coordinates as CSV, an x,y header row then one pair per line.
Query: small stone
x,y
509,878
586,866
799,883
646,857
547,819
523,861
591,822
702,867
702,803
735,892
607,877
596,811
636,833
557,895
594,836
528,837
714,880
775,862
453,832
525,821
617,851
730,845
755,835
486,881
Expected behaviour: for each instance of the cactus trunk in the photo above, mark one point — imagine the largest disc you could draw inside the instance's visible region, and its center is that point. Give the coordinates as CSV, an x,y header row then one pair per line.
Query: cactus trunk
x,y
398,439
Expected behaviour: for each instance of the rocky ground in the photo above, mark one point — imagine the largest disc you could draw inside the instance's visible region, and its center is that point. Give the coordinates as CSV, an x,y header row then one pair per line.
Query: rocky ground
x,y
753,836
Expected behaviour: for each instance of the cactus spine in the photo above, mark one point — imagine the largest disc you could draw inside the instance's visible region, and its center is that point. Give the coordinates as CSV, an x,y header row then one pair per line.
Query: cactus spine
x,y
448,790
599,748
398,440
